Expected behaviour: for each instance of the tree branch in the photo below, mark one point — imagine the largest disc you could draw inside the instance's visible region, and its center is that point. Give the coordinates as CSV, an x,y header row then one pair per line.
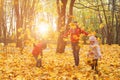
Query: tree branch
x,y
92,6
85,7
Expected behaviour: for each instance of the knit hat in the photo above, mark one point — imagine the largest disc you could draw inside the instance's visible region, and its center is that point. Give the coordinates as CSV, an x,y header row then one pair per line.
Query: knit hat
x,y
92,38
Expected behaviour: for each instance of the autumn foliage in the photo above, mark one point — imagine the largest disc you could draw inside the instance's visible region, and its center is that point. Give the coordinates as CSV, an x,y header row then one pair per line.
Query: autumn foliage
x,y
15,65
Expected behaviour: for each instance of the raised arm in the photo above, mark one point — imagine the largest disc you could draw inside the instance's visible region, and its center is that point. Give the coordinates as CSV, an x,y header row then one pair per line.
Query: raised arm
x,y
84,32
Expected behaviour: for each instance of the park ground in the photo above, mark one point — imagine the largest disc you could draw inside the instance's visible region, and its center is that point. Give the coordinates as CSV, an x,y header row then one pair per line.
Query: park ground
x,y
21,66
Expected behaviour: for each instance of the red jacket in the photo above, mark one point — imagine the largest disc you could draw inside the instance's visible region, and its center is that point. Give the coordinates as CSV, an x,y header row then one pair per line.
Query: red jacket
x,y
74,34
37,49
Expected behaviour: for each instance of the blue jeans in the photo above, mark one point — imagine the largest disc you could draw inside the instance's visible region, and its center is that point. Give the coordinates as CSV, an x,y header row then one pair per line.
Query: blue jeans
x,y
76,48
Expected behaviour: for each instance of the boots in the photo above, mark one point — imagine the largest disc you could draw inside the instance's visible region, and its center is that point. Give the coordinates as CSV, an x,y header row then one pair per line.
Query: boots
x,y
39,63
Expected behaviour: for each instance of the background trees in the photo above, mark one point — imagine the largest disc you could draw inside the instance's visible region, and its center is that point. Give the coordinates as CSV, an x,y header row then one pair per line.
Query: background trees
x,y
102,15
18,19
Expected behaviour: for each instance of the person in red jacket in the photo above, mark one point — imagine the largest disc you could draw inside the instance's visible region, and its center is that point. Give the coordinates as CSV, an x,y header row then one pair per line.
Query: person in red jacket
x,y
74,33
37,51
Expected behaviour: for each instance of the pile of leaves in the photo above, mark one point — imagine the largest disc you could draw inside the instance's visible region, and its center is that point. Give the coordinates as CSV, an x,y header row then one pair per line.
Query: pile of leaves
x,y
22,66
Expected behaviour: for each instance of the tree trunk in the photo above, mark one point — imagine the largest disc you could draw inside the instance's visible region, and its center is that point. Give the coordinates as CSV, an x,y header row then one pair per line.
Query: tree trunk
x,y
108,26
61,44
119,34
117,17
18,22
0,31
70,13
112,31
117,25
1,19
101,21
4,33
61,23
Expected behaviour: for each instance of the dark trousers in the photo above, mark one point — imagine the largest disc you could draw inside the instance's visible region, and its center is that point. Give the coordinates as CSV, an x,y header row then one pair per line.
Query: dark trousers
x,y
94,64
76,48
38,61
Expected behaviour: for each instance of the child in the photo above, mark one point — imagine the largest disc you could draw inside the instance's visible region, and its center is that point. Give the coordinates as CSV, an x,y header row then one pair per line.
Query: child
x,y
75,33
94,52
37,51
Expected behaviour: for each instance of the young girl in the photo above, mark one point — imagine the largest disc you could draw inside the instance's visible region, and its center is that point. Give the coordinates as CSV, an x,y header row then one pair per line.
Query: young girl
x,y
94,52
37,51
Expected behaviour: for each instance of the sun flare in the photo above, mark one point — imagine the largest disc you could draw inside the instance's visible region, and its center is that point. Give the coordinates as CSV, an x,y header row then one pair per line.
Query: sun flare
x,y
43,28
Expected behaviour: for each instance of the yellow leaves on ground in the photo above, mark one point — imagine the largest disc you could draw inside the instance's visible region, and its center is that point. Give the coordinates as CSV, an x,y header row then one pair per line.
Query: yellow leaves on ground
x,y
17,66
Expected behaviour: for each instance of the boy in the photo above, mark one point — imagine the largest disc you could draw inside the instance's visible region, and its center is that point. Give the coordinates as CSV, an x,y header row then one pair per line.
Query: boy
x,y
37,51
94,52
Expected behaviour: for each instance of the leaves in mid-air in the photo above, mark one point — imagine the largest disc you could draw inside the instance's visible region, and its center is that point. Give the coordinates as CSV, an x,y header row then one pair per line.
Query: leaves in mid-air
x,y
17,66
